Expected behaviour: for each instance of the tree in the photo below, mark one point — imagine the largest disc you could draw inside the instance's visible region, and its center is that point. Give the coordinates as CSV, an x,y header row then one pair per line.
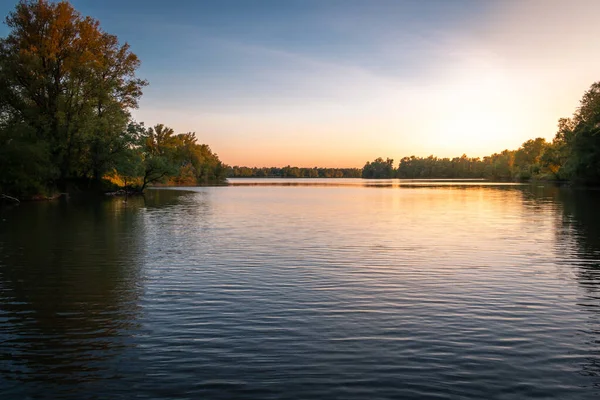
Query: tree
x,y
528,158
379,169
578,139
531,151
70,84
129,163
24,162
158,155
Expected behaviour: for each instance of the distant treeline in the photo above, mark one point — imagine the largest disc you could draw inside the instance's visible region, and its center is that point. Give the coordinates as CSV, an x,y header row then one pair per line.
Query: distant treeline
x,y
573,155
292,172
522,164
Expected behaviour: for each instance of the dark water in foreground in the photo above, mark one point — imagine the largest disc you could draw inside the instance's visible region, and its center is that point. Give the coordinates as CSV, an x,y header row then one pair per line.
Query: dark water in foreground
x,y
288,290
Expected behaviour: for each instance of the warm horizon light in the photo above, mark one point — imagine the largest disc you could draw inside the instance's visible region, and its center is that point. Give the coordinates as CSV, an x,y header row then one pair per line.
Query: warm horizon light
x,y
338,83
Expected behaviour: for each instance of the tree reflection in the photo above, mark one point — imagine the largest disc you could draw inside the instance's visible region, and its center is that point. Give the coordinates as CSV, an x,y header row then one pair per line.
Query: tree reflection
x,y
164,198
579,236
70,283
582,216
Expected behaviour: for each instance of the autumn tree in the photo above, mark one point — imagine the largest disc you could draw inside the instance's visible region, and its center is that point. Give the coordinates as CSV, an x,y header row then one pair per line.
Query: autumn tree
x,y
66,85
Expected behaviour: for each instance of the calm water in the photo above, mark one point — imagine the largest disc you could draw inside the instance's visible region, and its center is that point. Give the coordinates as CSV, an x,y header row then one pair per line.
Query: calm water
x,y
320,289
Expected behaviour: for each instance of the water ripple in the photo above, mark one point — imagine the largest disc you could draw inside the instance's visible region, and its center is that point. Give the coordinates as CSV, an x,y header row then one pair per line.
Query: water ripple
x,y
452,291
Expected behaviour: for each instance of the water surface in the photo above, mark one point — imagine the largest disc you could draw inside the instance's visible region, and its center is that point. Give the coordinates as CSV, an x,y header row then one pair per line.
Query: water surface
x,y
295,289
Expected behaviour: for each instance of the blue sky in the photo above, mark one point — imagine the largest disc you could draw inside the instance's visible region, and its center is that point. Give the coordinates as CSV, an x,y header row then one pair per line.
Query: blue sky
x,y
337,83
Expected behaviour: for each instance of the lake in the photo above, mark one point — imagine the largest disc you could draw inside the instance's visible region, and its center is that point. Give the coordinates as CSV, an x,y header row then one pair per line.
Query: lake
x,y
298,289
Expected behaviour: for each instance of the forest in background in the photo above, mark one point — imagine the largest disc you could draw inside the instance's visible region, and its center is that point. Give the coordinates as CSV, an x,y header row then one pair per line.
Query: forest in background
x,y
66,92
573,155
292,172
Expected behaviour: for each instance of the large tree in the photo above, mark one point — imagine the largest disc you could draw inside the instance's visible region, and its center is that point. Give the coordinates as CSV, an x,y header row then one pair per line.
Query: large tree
x,y
578,139
68,86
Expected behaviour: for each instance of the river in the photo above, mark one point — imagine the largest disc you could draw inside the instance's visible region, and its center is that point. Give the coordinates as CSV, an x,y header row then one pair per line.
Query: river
x,y
298,289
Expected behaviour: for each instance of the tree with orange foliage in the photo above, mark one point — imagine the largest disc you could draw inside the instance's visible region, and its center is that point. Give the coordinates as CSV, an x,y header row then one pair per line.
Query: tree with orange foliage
x,y
66,87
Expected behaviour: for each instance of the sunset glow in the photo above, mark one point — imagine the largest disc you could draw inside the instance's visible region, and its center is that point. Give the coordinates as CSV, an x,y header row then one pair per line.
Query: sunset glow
x,y
335,84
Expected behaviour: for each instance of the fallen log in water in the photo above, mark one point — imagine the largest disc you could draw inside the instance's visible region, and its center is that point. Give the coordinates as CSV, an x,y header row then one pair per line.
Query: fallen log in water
x,y
9,198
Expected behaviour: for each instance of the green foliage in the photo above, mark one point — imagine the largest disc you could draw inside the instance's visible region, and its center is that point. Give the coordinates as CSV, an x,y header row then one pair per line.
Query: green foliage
x,y
70,85
379,169
158,155
292,172
534,158
434,167
66,91
578,140
24,162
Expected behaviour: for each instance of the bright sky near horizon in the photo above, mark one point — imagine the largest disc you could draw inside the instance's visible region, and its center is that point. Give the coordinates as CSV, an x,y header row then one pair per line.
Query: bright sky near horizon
x,y
338,83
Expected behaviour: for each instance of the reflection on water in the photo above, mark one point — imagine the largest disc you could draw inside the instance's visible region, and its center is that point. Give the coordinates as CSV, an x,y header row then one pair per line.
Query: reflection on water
x,y
329,289
70,281
328,182
579,238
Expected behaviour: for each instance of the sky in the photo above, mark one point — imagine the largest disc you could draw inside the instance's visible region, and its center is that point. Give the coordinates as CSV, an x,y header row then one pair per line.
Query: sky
x,y
338,83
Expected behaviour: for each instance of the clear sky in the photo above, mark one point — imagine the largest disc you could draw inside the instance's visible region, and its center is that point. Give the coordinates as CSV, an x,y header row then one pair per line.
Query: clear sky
x,y
337,83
